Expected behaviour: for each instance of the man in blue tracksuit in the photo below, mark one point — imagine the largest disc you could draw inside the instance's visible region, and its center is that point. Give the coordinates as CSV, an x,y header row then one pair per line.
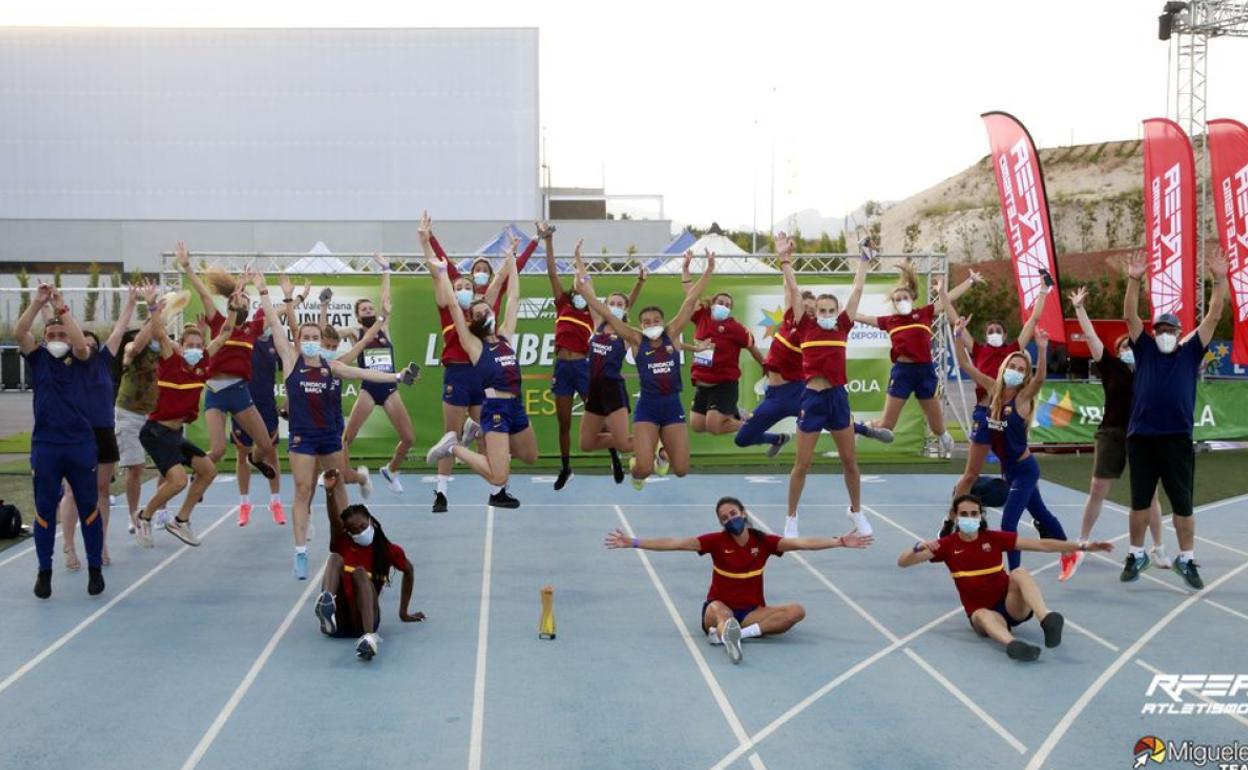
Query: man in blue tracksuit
x,y
62,446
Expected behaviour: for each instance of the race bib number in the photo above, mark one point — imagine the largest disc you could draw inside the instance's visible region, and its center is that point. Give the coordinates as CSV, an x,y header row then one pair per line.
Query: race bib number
x,y
704,357
378,359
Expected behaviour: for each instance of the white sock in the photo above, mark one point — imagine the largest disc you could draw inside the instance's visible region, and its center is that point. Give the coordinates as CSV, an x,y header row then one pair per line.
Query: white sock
x,y
751,631
1137,552
301,549
276,497
244,500
393,474
495,490
442,479
1187,555
713,636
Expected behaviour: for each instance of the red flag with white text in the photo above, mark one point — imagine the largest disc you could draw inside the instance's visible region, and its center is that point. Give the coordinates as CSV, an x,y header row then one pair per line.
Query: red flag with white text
x,y
1028,229
1170,220
1228,154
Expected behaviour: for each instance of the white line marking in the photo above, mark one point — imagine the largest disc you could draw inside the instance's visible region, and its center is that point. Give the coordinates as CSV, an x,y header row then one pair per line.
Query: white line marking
x,y
721,699
966,701
1156,672
61,642
1042,754
227,710
1220,503
1205,540
874,512
30,548
1104,643
483,635
1224,608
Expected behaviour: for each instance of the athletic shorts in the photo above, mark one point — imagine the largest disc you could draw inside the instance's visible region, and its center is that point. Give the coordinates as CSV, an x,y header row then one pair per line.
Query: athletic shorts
x,y
824,410
1111,453
907,378
721,397
461,386
242,437
504,415
346,617
167,446
660,410
1010,620
571,378
231,400
315,442
106,450
606,396
979,426
1170,459
126,427
740,615
379,391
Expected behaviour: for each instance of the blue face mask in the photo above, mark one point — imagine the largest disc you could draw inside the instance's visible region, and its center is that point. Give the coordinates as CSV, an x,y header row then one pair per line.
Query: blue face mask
x,y
464,298
193,355
310,349
967,525
329,355
1013,378
154,346
1127,357
735,526
720,312
618,312
578,302
481,279
827,322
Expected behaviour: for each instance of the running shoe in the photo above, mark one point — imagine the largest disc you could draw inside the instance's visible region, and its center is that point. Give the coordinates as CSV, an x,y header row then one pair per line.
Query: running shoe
x,y
439,502
1052,627
366,481
95,581
181,530
861,525
325,612
883,435
265,469
775,448
501,499
1069,563
279,513
244,514
442,448
366,647
143,533
661,463
130,528
1158,554
565,474
471,432
1020,650
638,484
320,479
301,566
392,478
1186,569
43,583
617,468
732,640
946,445
712,636
790,526
162,517
1133,567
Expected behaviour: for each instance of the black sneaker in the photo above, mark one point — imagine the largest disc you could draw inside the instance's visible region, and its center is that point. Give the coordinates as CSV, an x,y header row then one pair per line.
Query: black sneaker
x,y
564,475
503,500
1052,627
95,581
1020,650
617,468
1133,567
265,469
1187,570
439,502
43,584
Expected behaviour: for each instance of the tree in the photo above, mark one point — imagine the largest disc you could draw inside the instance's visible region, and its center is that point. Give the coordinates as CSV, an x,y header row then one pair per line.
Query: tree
x,y
1085,222
913,232
93,297
23,280
115,280
136,278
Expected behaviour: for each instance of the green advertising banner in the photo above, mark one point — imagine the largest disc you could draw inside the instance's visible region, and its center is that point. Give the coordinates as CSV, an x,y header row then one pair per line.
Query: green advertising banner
x,y
758,304
1070,412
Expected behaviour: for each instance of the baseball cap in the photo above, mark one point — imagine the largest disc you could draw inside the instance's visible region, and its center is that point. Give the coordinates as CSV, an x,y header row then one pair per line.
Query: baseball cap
x,y
1169,319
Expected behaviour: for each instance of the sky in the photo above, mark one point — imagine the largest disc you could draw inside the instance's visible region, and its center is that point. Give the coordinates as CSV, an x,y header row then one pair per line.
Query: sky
x,y
706,103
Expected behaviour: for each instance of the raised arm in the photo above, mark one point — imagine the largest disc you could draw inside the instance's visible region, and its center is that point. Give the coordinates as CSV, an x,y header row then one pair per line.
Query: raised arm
x,y
332,510
692,297
370,334
113,343
951,313
1095,345
620,539
512,278
685,277
385,283
1037,310
586,287
964,358
285,348
1131,299
957,291
547,234
183,262
441,277
1029,391
77,340
792,293
635,293
855,294
437,264
25,339
1217,300
147,332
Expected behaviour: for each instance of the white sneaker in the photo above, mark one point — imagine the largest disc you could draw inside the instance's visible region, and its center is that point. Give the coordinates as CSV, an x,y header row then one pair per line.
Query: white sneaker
x,y
712,636
732,640
1158,555
472,431
320,479
946,445
182,531
161,518
392,478
367,646
143,533
790,526
366,481
861,525
443,448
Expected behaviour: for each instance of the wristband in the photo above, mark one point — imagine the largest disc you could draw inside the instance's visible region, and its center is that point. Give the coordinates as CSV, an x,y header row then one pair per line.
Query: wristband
x,y
264,292
1083,546
636,543
918,546
289,300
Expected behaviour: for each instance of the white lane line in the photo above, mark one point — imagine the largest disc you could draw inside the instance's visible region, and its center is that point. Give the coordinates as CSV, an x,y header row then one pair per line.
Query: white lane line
x,y
1224,608
721,699
1104,643
68,636
1220,503
1063,725
236,697
966,701
874,512
1157,672
1200,538
483,636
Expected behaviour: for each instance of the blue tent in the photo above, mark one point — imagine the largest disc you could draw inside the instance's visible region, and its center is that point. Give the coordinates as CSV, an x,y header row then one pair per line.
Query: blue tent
x,y
498,247
675,248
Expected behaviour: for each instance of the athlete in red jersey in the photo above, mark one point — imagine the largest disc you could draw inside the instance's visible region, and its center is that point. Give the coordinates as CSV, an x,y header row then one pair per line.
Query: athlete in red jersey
x,y
735,608
987,357
227,391
910,333
359,564
995,601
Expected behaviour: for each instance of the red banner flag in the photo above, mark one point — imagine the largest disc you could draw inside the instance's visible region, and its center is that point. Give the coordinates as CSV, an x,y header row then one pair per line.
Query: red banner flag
x,y
1170,214
1026,210
1228,153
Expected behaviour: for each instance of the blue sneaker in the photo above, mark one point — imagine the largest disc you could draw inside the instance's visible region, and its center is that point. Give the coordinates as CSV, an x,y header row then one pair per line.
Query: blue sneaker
x,y
325,612
1133,567
301,566
1186,568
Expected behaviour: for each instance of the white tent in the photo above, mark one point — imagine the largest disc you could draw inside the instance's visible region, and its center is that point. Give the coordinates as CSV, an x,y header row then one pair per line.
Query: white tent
x,y
320,260
729,257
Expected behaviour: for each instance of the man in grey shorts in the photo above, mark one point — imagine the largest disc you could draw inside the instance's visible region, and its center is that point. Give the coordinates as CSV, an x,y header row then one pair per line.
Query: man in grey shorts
x,y
136,398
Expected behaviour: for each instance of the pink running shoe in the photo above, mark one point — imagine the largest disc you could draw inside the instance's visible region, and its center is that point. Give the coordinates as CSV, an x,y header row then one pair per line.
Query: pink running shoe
x,y
244,514
279,514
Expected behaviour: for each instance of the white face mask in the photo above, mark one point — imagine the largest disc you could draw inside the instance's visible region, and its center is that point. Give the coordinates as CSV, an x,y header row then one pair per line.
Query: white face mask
x,y
905,306
1127,357
481,279
653,332
364,538
1014,378
618,312
996,339
58,349
1167,342
578,302
827,322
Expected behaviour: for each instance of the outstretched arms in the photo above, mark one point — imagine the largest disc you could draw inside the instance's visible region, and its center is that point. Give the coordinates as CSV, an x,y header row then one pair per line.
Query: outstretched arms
x,y
692,296
183,262
1131,299
620,539
1095,346
1217,300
